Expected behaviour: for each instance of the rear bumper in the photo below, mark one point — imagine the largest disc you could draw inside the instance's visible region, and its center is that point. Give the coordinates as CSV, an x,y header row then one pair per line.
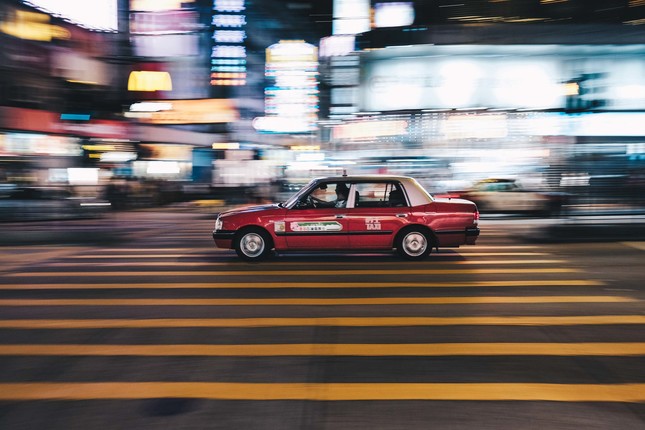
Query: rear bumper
x,y
472,234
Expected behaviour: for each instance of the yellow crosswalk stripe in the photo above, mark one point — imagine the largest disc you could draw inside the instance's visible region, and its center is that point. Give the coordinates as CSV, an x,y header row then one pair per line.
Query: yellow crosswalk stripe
x,y
301,272
370,350
634,393
319,302
637,245
329,285
325,321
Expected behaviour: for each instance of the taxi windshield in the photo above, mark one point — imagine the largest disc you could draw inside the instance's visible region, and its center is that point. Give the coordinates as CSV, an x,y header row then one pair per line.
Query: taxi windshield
x,y
294,198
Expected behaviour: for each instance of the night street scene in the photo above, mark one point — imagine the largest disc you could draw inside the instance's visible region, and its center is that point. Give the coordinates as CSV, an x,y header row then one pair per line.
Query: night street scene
x,y
322,214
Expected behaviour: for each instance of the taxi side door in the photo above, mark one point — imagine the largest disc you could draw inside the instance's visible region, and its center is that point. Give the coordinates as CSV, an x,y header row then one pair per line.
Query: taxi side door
x,y
316,226
379,211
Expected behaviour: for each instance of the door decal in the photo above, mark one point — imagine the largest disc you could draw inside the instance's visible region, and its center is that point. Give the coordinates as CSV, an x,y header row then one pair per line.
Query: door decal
x,y
316,226
372,224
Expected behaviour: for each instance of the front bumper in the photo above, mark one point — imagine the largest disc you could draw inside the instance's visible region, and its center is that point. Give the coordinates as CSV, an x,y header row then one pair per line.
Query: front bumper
x,y
223,239
223,235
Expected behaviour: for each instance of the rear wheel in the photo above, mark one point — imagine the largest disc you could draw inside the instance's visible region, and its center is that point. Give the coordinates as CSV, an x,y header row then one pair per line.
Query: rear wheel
x,y
253,244
414,244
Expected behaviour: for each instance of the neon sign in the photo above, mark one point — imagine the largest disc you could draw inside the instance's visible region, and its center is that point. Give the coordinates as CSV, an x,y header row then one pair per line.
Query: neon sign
x,y
228,53
291,101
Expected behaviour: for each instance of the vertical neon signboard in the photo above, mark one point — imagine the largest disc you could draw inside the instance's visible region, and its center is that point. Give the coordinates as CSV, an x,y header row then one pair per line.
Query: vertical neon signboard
x,y
228,53
291,99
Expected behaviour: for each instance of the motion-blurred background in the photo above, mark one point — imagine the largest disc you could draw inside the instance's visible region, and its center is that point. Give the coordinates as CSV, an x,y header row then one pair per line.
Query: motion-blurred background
x,y
531,106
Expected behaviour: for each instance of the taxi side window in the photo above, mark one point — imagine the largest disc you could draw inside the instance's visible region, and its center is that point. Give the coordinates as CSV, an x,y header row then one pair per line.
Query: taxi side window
x,y
325,195
379,194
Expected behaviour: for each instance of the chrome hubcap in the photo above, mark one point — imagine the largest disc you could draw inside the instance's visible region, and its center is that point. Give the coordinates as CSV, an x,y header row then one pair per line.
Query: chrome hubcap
x,y
252,244
415,244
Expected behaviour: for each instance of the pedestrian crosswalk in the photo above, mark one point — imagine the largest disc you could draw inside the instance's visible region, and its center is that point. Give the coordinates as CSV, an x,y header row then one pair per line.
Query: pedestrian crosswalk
x,y
491,323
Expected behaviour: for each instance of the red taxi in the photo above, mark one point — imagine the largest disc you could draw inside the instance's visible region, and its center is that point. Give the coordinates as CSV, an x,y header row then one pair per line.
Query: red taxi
x,y
376,212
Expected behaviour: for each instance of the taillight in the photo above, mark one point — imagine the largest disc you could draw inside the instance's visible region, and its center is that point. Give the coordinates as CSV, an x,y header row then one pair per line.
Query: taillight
x,y
476,217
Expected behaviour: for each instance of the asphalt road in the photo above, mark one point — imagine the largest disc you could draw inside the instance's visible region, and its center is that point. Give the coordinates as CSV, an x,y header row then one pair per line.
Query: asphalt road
x,y
158,329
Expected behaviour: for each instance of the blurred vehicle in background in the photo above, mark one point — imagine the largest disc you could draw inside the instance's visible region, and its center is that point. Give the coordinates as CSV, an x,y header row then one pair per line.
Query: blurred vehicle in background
x,y
47,203
507,195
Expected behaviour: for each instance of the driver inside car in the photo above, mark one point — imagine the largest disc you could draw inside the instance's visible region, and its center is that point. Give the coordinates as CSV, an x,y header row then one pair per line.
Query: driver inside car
x,y
320,197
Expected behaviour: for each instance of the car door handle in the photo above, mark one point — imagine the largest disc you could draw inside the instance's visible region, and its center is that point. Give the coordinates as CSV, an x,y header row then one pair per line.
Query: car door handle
x,y
339,216
401,215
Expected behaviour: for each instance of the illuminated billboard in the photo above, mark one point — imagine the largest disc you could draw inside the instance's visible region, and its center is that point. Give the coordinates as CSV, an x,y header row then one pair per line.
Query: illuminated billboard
x,y
535,77
454,83
99,15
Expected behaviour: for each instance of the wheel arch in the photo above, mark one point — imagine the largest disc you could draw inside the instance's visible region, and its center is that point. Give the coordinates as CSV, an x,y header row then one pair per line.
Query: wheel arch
x,y
430,234
254,227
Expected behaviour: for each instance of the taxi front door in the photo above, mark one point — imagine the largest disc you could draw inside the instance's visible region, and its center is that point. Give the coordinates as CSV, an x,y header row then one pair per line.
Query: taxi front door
x,y
317,228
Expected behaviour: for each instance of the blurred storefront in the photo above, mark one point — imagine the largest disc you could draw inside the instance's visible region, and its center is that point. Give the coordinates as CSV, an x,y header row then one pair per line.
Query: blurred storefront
x,y
39,148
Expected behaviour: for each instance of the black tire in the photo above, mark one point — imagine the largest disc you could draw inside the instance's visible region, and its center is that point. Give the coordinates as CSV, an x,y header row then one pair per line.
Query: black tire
x,y
414,244
253,244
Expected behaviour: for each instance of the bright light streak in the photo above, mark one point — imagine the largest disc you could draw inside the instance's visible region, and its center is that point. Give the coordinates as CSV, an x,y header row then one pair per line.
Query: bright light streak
x,y
459,83
229,36
310,156
223,51
95,14
630,92
229,5
117,157
337,45
82,176
528,85
283,125
163,167
229,20
226,145
369,130
475,127
156,5
397,14
150,107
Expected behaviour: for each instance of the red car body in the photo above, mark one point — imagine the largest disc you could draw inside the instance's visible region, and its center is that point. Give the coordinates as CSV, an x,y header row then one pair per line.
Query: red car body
x,y
381,212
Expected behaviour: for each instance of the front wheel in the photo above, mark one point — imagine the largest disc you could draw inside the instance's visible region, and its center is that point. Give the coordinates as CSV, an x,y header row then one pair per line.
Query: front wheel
x,y
253,245
414,245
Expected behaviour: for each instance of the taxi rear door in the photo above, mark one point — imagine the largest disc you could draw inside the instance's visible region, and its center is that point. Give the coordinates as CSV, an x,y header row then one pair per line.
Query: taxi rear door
x,y
374,218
